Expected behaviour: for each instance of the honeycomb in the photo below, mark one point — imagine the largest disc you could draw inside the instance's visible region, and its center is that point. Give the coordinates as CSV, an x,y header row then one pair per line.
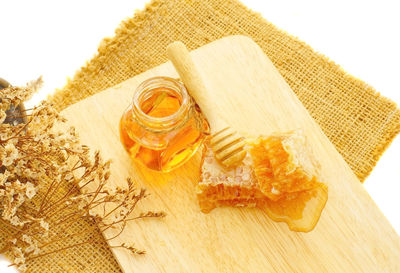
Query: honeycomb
x,y
279,175
220,187
284,163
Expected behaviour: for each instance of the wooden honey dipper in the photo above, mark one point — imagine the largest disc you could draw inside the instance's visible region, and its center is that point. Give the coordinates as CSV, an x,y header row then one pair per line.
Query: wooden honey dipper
x,y
227,144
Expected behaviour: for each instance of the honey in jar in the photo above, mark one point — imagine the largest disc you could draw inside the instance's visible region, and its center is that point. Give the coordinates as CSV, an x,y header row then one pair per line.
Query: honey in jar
x,y
162,128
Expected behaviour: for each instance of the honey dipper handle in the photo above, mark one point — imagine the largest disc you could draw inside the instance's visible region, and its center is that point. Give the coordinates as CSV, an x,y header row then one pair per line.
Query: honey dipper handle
x,y
184,65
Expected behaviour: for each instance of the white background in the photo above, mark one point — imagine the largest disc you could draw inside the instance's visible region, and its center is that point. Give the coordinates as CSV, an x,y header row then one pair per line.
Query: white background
x,y
55,38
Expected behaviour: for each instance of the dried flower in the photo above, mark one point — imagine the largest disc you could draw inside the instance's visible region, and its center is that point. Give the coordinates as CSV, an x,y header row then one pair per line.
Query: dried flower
x,y
3,116
30,190
19,257
73,184
44,225
10,153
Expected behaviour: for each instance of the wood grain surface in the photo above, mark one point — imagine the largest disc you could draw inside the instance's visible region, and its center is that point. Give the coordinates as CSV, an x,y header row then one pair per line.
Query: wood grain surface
x,y
246,89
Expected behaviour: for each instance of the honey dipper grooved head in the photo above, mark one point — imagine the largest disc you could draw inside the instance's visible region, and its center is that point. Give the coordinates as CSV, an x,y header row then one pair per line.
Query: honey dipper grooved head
x,y
228,147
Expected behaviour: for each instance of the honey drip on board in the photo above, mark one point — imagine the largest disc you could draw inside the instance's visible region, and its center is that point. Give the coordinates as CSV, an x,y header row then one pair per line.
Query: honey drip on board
x,y
279,175
168,149
286,173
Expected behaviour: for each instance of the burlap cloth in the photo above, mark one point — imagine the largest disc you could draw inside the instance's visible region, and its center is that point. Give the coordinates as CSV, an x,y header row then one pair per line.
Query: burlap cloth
x,y
358,121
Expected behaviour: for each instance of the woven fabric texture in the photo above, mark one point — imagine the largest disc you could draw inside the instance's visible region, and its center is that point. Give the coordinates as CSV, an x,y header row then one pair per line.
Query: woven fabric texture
x,y
358,121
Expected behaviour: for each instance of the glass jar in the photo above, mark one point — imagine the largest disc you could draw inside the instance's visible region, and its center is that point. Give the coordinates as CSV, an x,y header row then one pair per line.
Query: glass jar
x,y
163,127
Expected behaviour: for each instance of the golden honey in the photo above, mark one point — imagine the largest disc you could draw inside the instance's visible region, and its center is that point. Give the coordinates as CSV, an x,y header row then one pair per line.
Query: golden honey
x,y
162,128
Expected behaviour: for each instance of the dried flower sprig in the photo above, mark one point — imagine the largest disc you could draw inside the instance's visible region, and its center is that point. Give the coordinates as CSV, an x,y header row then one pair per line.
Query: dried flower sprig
x,y
49,180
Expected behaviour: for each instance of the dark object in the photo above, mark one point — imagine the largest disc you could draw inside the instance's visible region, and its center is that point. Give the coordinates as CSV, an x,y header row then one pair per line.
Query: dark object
x,y
14,114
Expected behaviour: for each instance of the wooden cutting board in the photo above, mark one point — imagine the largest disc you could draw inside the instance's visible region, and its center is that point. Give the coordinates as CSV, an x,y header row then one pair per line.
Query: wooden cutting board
x,y
351,236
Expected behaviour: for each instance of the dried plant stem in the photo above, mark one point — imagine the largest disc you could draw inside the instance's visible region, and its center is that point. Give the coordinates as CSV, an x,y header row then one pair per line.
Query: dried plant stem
x,y
49,182
17,133
62,238
57,250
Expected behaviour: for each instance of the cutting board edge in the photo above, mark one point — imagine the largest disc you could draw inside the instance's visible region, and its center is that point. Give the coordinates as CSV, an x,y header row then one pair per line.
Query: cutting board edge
x,y
113,89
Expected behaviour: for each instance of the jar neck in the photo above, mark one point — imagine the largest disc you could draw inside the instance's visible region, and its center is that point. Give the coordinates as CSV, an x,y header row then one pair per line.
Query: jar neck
x,y
168,86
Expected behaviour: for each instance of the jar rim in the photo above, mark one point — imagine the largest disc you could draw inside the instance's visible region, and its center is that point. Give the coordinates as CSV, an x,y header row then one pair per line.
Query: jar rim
x,y
166,121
